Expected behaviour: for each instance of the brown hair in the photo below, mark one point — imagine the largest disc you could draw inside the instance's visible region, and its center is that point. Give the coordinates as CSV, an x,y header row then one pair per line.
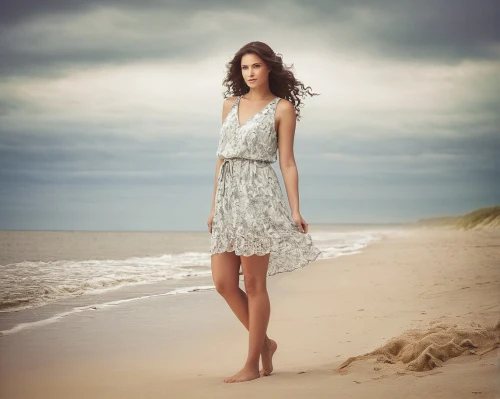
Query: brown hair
x,y
282,82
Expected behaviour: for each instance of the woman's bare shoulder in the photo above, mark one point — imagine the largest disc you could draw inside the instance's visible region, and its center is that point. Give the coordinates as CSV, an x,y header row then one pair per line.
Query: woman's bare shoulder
x,y
230,101
283,103
284,108
226,106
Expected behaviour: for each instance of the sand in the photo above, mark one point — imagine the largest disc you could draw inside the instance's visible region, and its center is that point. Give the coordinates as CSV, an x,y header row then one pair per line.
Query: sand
x,y
414,315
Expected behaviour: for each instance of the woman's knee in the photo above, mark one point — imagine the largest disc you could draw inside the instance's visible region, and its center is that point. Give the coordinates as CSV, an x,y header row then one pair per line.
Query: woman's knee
x,y
255,284
255,273
226,286
225,272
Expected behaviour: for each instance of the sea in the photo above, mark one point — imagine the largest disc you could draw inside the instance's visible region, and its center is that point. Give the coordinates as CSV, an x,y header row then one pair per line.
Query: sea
x,y
48,275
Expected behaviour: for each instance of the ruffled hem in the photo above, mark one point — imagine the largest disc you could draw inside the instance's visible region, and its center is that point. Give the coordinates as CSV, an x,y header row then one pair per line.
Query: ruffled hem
x,y
287,253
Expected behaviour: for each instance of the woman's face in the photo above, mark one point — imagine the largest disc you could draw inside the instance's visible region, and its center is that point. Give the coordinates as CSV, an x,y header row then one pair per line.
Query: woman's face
x,y
254,70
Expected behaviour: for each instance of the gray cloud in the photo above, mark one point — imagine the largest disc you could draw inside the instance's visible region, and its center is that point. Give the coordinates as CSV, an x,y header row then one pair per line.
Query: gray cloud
x,y
57,181
442,31
16,11
59,158
83,158
41,47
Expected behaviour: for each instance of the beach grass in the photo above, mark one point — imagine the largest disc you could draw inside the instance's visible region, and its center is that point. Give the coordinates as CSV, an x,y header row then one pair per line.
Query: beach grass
x,y
480,218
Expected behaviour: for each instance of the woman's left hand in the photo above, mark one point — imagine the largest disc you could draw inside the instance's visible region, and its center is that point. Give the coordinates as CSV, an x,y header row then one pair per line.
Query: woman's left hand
x,y
300,222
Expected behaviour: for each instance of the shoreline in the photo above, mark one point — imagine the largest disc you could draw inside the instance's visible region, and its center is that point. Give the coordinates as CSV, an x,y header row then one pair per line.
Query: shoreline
x,y
321,315
12,321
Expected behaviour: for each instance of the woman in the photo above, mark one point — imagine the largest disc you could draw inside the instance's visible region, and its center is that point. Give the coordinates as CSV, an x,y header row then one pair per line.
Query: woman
x,y
249,222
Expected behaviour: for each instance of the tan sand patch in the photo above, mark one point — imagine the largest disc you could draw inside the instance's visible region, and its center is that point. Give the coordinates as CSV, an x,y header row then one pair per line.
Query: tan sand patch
x,y
423,350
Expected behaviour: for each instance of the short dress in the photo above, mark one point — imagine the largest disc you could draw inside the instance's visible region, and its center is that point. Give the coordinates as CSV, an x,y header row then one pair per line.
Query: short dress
x,y
250,215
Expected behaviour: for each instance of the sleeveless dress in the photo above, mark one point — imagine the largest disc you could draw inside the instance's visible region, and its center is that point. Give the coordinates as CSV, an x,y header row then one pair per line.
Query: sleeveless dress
x,y
250,215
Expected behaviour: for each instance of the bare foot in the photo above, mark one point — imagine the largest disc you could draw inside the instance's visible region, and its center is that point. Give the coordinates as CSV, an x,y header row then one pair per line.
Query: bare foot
x,y
267,357
245,374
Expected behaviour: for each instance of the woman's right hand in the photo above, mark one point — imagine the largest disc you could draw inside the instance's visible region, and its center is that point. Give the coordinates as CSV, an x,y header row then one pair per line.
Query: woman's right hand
x,y
209,221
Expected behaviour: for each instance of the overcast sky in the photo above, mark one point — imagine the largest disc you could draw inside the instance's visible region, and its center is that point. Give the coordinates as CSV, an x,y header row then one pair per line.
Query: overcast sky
x,y
110,111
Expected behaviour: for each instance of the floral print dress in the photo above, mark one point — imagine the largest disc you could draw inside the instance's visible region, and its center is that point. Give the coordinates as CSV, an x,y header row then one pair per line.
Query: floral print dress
x,y
251,217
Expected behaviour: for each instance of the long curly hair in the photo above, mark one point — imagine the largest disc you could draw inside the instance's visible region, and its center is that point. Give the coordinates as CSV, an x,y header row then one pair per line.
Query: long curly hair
x,y
282,82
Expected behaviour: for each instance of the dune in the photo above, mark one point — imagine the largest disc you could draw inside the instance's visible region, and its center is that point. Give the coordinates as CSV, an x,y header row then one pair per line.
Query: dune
x,y
484,217
480,218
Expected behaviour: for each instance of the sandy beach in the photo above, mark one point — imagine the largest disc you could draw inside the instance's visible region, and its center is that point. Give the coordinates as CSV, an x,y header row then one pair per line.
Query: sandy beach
x,y
423,305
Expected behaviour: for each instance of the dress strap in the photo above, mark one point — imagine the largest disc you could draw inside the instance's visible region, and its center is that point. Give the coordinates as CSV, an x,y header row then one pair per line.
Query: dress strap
x,y
274,103
236,102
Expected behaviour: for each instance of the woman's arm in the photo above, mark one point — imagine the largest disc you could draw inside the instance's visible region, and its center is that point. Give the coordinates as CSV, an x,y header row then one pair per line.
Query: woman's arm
x,y
212,211
217,167
288,167
226,106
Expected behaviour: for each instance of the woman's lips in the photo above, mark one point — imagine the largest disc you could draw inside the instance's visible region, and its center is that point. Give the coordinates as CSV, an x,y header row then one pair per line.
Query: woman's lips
x,y
252,80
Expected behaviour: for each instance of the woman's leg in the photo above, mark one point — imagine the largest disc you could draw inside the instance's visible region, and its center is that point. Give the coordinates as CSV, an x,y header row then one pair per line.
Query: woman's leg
x,y
255,273
225,274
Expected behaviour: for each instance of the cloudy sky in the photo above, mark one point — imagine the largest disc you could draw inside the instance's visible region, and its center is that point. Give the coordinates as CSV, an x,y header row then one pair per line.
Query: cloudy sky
x,y
110,110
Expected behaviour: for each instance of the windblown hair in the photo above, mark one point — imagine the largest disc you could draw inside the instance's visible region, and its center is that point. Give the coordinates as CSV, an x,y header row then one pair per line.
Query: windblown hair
x,y
282,82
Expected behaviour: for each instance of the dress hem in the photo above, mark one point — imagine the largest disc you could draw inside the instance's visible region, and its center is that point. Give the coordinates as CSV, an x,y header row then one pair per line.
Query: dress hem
x,y
310,255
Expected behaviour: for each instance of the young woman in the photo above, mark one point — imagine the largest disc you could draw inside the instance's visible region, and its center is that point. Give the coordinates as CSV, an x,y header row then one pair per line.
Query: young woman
x,y
250,224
